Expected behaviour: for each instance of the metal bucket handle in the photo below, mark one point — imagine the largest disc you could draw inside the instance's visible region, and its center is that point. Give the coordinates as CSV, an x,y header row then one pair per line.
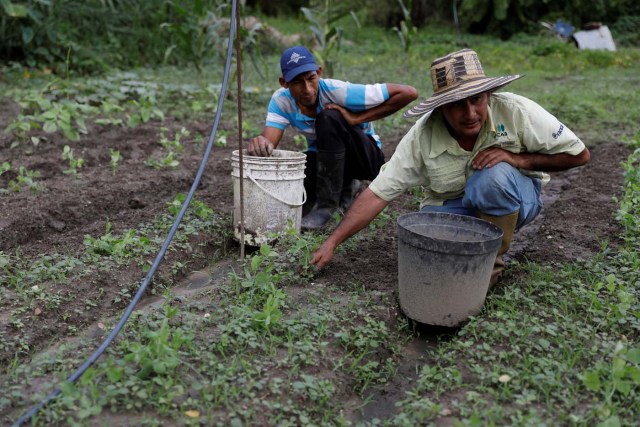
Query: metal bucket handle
x,y
293,205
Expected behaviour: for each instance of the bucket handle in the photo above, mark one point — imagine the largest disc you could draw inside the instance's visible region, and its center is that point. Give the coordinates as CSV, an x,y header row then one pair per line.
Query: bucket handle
x,y
293,205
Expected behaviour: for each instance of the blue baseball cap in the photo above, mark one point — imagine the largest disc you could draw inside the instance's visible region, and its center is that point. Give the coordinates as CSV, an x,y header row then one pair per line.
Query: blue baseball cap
x,y
296,60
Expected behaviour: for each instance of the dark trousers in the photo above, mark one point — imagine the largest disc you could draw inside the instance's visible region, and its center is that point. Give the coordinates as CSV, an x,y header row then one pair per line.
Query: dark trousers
x,y
363,158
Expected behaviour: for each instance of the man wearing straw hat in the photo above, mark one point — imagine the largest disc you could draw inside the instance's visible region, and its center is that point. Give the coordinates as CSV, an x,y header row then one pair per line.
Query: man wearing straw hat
x,y
335,117
474,151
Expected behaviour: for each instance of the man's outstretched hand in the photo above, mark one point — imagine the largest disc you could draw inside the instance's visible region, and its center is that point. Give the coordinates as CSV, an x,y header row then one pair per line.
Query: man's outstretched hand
x,y
323,255
260,146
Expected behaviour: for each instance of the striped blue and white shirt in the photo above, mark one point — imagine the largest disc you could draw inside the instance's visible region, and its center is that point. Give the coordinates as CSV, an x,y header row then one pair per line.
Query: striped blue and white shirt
x,y
283,110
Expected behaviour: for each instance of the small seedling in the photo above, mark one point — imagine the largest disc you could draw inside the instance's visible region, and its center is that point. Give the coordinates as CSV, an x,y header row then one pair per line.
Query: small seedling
x,y
221,140
168,161
175,144
145,109
25,178
173,147
74,164
115,159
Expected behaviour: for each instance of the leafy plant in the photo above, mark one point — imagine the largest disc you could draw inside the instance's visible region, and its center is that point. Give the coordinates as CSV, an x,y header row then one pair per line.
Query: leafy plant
x,y
74,164
173,148
407,30
197,207
629,210
257,290
25,178
159,354
323,17
66,116
21,127
299,251
169,160
221,139
362,341
144,109
120,248
116,157
270,313
195,32
619,376
173,144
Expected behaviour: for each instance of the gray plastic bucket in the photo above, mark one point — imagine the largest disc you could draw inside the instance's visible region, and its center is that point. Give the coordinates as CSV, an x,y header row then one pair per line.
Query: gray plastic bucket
x,y
444,265
273,189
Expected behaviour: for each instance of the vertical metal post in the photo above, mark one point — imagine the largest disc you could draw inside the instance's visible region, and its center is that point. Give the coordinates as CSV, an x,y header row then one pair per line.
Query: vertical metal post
x,y
240,144
457,22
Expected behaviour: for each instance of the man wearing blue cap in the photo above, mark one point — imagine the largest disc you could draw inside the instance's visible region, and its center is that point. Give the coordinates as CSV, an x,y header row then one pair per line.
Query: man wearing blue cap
x,y
335,117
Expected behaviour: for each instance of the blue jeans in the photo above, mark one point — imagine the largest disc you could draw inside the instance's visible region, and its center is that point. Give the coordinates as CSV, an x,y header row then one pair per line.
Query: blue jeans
x,y
497,191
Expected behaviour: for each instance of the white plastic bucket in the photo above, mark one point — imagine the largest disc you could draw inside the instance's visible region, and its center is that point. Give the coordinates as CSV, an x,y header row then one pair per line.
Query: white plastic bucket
x,y
274,193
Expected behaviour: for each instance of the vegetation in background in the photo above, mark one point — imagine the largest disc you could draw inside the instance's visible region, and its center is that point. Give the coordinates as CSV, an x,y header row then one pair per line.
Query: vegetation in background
x,y
508,17
323,17
406,30
89,36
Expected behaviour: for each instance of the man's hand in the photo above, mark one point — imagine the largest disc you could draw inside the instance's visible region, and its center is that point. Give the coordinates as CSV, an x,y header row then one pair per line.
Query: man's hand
x,y
492,156
350,117
260,146
323,255
366,206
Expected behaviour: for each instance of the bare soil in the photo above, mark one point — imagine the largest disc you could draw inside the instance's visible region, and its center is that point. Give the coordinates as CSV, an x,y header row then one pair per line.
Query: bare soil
x,y
577,219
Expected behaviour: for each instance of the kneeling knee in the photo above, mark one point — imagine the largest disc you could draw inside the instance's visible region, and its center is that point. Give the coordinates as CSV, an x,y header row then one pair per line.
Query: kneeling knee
x,y
488,184
328,116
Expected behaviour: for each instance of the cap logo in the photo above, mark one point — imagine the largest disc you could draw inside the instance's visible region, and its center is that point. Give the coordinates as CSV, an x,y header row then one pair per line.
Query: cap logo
x,y
295,57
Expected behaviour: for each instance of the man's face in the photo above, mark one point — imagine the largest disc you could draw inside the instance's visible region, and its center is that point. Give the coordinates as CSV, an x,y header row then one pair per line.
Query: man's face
x,y
466,117
304,88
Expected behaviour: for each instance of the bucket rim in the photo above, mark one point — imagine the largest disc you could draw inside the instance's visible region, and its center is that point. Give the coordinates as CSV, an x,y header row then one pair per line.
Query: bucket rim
x,y
436,244
276,156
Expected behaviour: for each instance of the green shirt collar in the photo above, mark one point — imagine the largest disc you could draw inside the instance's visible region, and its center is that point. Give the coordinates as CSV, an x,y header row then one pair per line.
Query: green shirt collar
x,y
442,141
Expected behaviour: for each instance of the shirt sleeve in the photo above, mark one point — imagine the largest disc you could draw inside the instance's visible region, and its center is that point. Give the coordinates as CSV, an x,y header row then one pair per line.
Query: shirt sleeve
x,y
544,133
356,97
406,168
276,116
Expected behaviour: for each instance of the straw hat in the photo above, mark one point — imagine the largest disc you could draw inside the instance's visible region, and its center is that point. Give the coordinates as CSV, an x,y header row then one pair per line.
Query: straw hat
x,y
457,76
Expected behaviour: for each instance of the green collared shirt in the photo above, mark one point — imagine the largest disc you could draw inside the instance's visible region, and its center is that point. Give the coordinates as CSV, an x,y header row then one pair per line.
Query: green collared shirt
x,y
429,156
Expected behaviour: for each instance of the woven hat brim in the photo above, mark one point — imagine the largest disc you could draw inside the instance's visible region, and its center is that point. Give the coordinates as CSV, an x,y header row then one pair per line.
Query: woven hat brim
x,y
462,91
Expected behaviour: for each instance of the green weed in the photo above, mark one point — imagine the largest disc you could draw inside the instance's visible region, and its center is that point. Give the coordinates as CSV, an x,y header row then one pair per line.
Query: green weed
x,y
323,17
172,150
74,164
120,248
115,159
25,178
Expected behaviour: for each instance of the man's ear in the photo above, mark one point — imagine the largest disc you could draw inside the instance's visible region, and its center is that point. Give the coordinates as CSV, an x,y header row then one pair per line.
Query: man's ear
x,y
319,72
283,83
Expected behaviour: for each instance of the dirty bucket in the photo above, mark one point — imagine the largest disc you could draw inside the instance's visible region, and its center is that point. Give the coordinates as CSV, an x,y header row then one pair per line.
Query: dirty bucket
x,y
444,265
274,193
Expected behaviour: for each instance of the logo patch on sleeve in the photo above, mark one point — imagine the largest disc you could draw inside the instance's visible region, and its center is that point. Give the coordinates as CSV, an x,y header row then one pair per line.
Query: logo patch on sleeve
x,y
557,133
